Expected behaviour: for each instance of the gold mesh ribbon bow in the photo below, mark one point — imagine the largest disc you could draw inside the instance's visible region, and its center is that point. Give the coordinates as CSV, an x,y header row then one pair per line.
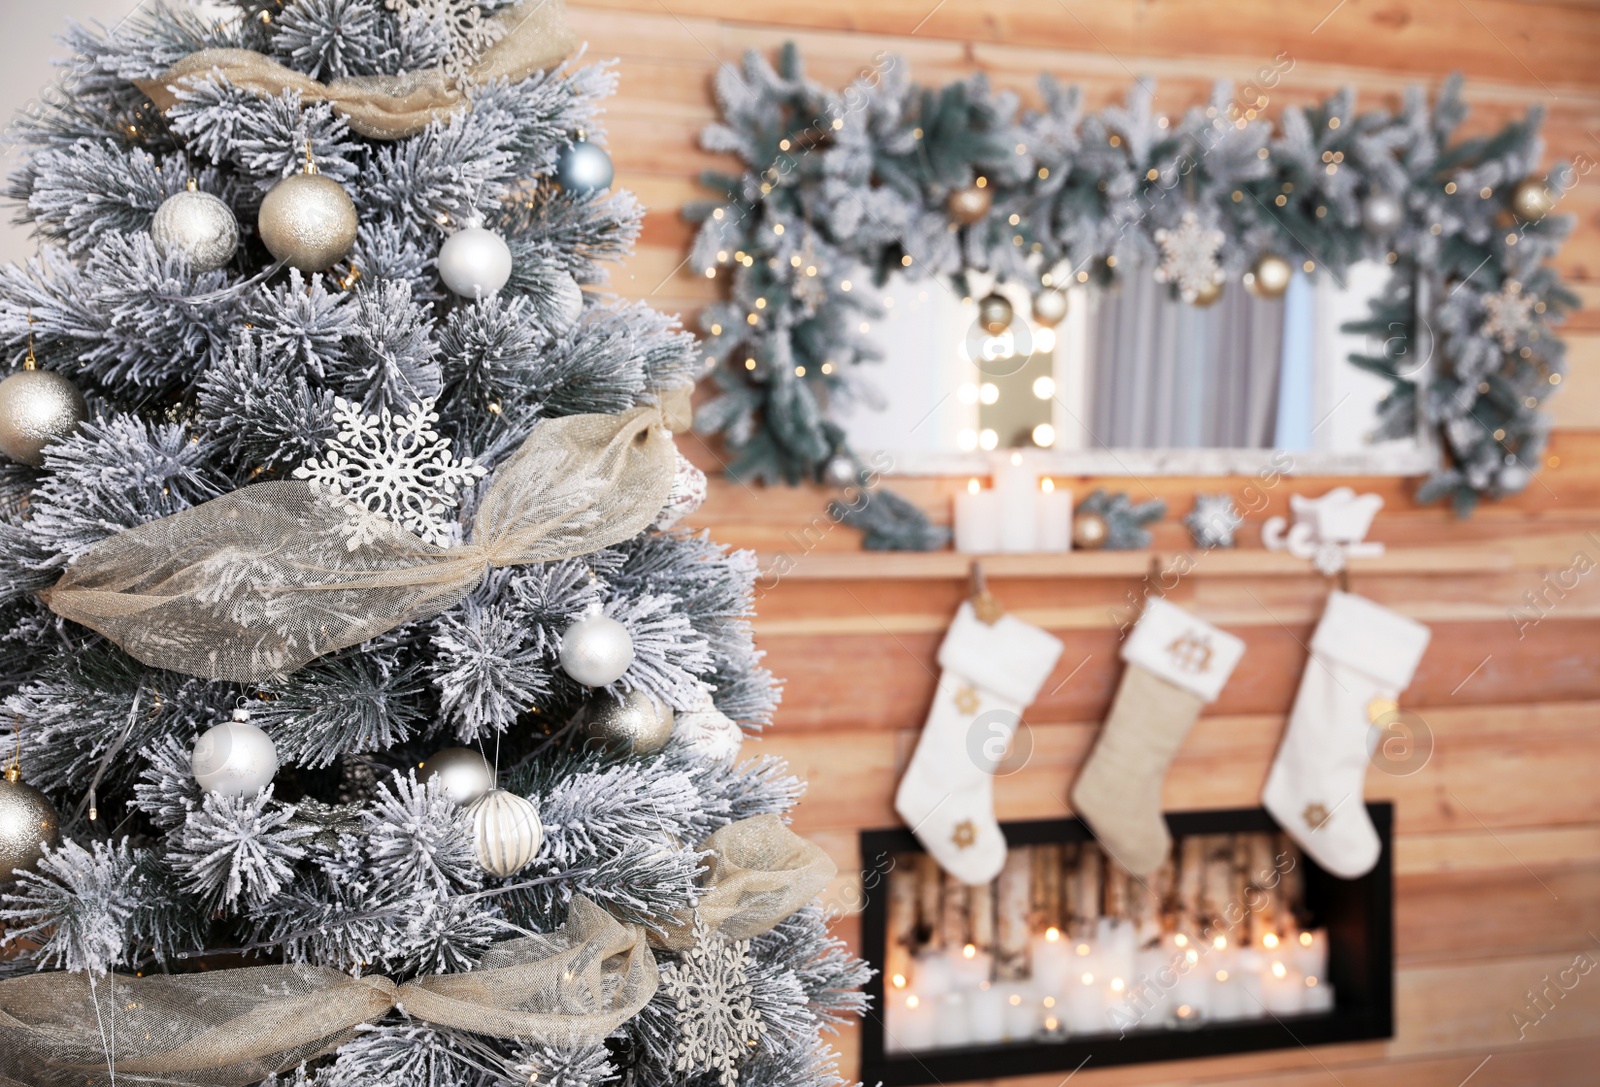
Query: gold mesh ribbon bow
x,y
386,107
256,583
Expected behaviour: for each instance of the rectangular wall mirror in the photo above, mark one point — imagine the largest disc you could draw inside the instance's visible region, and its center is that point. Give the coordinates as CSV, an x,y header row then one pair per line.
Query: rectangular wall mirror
x,y
1136,381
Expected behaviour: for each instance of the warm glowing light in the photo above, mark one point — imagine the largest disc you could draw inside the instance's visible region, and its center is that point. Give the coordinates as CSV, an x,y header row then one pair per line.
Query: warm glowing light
x,y
967,440
988,392
1047,485
1117,985
1279,970
1052,1023
1016,1000
1185,1012
1044,435
1083,949
844,284
1222,975
1044,388
1305,939
967,393
969,951
1044,340
1311,982
1049,1001
972,486
1220,942
1192,956
1052,934
1270,940
988,439
1181,940
899,981
1088,979
912,1001
1016,460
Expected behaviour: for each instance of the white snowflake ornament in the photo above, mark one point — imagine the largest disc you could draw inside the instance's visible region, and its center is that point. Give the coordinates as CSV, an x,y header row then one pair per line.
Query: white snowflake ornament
x,y
1508,316
708,732
1189,257
718,1023
391,470
468,28
687,494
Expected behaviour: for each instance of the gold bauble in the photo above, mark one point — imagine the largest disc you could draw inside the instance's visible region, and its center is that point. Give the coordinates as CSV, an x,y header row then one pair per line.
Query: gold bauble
x,y
28,823
308,221
995,313
968,205
1090,532
1532,200
1207,295
1050,306
1269,276
37,408
638,724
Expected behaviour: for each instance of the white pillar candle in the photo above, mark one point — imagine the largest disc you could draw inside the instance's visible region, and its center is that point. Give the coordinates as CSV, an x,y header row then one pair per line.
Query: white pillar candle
x,y
972,968
977,520
1051,957
987,1012
1227,992
1115,946
1021,1010
1016,481
1308,952
1282,988
909,1026
931,974
1054,517
1251,964
1319,994
953,1021
1085,1004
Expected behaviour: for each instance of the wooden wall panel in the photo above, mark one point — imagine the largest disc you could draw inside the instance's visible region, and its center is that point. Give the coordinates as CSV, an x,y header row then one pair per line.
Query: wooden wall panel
x,y
1498,836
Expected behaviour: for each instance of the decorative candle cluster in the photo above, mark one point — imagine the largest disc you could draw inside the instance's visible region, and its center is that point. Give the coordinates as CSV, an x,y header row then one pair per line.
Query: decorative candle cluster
x,y
1024,511
1064,944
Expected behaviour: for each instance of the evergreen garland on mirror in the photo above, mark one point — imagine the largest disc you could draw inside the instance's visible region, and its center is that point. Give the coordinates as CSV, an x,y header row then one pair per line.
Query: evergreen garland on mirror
x,y
950,182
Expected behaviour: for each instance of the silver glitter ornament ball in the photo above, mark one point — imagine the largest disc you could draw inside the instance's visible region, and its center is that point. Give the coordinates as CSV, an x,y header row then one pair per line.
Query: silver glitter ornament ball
x,y
565,299
475,262
583,168
841,470
234,758
199,226
37,407
638,724
28,823
1381,214
596,650
308,221
463,774
506,831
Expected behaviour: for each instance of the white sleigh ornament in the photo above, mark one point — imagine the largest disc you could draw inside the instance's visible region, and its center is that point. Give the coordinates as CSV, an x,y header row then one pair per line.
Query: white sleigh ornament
x,y
1329,530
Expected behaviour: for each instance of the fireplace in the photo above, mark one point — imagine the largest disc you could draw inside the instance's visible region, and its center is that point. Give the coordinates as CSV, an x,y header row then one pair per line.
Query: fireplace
x,y
1240,943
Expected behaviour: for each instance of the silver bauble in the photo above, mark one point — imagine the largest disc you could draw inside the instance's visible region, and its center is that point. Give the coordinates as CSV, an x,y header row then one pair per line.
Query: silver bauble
x,y
308,221
582,167
687,494
28,823
37,407
564,298
995,313
841,470
463,774
475,262
1381,214
199,226
1050,306
1269,276
1513,477
637,724
234,758
596,650
506,831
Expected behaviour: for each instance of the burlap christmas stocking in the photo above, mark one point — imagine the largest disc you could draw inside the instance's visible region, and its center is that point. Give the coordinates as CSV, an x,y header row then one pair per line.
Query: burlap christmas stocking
x,y
1176,664
990,674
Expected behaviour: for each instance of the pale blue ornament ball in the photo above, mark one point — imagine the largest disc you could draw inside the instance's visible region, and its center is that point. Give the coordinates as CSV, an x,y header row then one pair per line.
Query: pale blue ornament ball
x,y
583,167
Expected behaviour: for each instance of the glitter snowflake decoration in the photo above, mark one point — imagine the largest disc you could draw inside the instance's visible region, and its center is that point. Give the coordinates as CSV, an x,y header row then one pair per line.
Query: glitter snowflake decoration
x,y
717,1020
390,470
1508,316
470,32
1212,521
1189,257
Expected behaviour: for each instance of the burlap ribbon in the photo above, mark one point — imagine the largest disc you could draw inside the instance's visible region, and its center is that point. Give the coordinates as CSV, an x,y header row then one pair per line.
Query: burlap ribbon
x,y
256,583
760,872
387,107
228,1028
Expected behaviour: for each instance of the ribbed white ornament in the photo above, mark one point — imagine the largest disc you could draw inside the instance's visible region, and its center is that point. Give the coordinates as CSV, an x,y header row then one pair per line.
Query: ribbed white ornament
x,y
507,831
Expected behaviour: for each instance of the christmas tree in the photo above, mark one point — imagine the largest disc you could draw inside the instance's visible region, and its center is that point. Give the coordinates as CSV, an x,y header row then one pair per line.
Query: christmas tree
x,y
371,723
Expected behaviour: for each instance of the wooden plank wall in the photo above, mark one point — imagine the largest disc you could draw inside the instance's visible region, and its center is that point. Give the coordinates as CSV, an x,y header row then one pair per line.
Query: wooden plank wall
x,y
1498,851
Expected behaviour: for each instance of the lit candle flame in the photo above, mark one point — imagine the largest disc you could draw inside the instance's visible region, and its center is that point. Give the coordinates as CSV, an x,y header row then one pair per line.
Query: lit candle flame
x,y
969,951
1052,934
1278,970
1270,940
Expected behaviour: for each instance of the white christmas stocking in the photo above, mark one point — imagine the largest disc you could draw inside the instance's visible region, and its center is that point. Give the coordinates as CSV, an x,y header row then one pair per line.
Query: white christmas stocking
x,y
1362,656
1176,664
990,673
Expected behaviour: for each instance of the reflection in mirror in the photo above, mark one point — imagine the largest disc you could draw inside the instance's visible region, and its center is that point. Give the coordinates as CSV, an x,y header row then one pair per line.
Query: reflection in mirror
x,y
1130,368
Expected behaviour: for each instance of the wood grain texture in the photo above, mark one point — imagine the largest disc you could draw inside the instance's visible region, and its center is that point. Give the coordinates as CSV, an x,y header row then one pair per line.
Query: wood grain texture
x,y
1497,855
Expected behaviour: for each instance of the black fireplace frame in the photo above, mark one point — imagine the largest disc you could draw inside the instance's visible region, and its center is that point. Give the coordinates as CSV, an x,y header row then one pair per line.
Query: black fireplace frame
x,y
1358,914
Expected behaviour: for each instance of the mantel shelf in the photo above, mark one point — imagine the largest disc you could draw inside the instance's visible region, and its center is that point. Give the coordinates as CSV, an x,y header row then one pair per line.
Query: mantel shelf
x,y
1249,562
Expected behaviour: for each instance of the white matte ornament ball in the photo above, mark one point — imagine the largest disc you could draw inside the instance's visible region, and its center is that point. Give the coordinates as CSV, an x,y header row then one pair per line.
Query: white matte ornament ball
x,y
37,407
638,724
308,221
199,226
507,832
596,650
1380,214
475,262
583,168
463,773
234,758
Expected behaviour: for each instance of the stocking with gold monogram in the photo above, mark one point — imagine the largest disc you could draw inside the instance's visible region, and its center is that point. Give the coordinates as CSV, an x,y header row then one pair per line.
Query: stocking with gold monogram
x,y
992,667
1176,664
1362,656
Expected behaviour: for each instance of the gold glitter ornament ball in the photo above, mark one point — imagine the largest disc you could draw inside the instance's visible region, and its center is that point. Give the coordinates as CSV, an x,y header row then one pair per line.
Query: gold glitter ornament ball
x,y
28,823
308,221
37,407
1269,276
